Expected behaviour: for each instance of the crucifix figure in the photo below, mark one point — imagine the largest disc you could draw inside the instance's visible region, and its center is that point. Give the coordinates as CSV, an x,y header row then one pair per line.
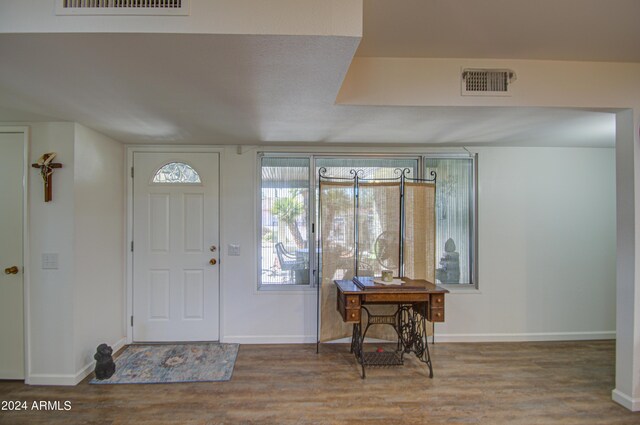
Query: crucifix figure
x,y
46,165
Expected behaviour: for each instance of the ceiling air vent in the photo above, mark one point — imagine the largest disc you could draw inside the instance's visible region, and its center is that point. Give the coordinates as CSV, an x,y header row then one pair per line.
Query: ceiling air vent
x,y
122,7
487,82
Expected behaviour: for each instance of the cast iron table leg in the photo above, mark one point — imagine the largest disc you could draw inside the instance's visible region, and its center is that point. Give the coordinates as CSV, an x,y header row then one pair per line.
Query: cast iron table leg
x,y
425,356
412,333
357,349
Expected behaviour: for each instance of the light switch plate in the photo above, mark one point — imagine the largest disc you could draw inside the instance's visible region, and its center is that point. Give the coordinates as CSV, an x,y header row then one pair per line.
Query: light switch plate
x,y
50,261
233,249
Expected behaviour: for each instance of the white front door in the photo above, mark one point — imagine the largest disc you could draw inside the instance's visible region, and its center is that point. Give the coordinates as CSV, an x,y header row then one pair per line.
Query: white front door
x,y
175,247
11,261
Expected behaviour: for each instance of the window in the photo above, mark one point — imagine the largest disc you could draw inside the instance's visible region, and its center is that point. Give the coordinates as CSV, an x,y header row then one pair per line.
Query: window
x,y
284,224
286,209
176,172
455,218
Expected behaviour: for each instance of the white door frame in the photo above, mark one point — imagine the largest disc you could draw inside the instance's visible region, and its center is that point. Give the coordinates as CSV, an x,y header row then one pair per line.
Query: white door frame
x,y
25,241
131,149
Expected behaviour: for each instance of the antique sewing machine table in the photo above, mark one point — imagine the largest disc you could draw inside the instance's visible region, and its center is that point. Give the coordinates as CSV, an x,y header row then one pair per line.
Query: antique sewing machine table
x,y
417,301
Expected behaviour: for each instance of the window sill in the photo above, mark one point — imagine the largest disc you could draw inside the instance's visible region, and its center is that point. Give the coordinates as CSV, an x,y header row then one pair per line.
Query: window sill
x,y
285,289
461,289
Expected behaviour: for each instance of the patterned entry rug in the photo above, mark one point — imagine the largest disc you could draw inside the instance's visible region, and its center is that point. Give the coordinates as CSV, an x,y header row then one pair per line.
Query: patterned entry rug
x,y
166,363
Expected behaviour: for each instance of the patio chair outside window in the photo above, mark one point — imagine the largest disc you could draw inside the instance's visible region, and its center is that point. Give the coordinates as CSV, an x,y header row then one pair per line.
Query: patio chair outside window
x,y
289,262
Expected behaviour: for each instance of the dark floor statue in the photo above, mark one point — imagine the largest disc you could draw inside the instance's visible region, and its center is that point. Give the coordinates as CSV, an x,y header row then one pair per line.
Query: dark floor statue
x,y
105,366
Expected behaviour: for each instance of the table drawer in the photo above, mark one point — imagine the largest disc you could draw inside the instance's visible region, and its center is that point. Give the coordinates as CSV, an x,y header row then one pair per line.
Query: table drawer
x,y
435,315
352,301
351,315
437,300
349,307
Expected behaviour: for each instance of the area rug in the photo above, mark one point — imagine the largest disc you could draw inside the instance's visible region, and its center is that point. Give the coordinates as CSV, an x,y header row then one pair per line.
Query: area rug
x,y
167,363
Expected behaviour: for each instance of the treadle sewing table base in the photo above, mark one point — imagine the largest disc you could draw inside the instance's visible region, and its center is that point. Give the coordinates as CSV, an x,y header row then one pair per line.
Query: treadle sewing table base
x,y
417,303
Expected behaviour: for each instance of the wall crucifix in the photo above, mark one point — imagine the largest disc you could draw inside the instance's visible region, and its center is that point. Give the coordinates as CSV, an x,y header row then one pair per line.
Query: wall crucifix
x,y
46,165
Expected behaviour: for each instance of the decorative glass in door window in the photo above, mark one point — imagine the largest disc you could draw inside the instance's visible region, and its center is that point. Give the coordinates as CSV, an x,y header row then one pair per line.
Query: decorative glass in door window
x,y
176,172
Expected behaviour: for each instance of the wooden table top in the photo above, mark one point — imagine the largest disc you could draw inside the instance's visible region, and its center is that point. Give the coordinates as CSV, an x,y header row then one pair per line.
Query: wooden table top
x,y
415,286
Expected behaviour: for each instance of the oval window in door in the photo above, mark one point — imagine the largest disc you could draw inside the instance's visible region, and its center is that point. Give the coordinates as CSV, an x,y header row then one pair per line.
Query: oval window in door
x,y
176,172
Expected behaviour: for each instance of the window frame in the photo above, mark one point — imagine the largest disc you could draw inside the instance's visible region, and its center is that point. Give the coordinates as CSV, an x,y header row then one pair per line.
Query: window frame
x,y
312,217
473,219
310,220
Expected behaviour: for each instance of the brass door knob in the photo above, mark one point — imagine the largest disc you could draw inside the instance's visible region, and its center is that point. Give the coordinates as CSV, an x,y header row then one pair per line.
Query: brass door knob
x,y
213,261
12,270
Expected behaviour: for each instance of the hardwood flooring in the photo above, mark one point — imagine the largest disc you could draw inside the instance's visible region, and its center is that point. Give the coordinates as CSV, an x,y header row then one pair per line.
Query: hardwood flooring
x,y
488,383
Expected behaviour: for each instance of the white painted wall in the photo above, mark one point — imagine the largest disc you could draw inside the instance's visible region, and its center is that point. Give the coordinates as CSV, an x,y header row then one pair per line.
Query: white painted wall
x,y
249,315
436,82
285,17
99,244
627,391
81,304
51,293
547,248
547,234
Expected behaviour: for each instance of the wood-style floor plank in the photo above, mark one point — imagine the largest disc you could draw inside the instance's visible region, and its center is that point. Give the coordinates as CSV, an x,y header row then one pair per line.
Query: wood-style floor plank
x,y
489,383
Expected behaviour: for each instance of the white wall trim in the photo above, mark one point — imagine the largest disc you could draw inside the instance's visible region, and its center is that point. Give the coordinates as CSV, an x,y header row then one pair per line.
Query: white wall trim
x,y
70,379
440,338
525,337
52,379
269,339
25,130
130,150
222,239
625,401
128,269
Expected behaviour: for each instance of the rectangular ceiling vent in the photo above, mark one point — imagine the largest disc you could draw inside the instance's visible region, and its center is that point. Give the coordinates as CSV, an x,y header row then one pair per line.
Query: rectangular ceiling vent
x,y
122,7
487,82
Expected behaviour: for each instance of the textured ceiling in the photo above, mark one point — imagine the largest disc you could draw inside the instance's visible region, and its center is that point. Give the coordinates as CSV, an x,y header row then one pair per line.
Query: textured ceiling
x,y
582,30
238,89
174,88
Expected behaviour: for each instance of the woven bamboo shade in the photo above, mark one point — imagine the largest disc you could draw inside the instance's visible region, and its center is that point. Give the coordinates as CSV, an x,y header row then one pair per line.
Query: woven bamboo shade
x,y
337,253
378,235
420,231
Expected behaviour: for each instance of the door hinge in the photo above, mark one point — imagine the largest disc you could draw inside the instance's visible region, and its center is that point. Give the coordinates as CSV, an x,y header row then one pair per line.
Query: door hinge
x,y
131,172
131,321
131,246
313,227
